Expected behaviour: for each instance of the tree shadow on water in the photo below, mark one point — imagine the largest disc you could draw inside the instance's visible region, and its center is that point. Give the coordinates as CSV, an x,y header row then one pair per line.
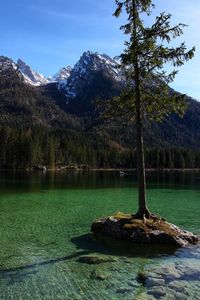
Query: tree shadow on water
x,y
106,245
30,269
88,244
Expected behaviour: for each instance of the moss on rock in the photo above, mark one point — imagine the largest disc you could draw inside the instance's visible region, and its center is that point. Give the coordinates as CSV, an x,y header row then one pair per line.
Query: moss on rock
x,y
154,230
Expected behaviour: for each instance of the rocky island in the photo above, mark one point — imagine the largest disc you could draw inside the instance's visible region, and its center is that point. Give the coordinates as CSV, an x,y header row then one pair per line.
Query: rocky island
x,y
150,231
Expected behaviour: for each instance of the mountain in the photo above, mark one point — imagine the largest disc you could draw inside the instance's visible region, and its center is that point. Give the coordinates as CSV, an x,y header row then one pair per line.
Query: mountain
x,y
62,75
70,95
7,64
88,64
93,76
22,104
31,77
48,121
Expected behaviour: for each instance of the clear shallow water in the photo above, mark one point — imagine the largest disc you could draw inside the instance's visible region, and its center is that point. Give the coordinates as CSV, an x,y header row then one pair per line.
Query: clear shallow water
x,y
45,224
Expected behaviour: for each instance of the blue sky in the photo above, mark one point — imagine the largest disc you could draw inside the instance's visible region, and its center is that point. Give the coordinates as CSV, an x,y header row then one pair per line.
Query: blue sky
x,y
49,34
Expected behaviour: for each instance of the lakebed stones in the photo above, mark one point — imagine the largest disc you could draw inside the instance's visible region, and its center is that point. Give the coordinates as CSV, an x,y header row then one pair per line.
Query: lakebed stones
x,y
189,271
171,281
157,291
149,231
96,259
155,282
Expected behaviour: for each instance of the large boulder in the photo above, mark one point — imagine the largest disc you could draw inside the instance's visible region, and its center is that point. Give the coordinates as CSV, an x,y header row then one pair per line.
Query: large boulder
x,y
147,231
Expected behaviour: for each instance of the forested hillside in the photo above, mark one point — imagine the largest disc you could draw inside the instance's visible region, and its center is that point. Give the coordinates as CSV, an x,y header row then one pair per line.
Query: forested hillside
x,y
42,126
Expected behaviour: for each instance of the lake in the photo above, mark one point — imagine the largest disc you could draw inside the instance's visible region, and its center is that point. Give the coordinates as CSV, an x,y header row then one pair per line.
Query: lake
x,y
45,228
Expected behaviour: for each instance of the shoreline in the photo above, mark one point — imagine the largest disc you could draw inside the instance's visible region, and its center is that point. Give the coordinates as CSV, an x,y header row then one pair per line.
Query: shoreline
x,y
104,170
147,170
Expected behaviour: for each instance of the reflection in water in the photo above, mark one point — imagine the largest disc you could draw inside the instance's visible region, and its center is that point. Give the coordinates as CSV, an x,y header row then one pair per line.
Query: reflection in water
x,y
52,180
34,181
45,224
177,179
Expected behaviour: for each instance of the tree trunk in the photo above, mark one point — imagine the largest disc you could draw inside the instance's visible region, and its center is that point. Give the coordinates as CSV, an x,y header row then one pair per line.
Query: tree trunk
x,y
142,210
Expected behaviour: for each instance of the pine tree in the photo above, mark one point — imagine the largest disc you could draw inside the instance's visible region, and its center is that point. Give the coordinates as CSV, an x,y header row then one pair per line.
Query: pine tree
x,y
147,94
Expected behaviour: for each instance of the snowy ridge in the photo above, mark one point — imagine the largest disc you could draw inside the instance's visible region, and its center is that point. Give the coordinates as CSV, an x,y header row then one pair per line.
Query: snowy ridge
x,y
62,74
7,64
61,77
90,62
69,80
31,77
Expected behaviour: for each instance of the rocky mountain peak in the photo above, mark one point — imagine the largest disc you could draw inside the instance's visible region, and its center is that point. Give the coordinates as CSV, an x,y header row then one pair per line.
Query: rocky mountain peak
x,y
7,64
70,81
62,74
93,61
90,63
30,76
61,77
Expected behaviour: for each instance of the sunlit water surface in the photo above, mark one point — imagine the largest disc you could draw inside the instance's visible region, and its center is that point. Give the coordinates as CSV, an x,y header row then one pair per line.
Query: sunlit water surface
x,y
45,227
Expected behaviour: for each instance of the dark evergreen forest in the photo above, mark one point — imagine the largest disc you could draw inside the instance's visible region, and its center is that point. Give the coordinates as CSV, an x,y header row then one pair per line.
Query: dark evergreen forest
x,y
35,130
25,148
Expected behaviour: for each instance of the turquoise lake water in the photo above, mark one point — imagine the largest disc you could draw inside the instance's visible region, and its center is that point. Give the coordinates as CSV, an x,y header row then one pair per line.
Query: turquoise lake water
x,y
45,227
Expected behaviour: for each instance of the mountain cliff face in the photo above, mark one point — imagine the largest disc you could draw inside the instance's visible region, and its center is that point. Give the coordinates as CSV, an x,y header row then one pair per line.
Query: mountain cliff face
x,y
22,105
31,77
62,75
93,76
66,99
7,64
89,63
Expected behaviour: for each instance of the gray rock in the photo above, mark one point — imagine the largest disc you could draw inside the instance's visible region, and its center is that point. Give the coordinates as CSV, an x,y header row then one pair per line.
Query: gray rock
x,y
189,271
179,296
157,291
156,275
168,272
154,282
179,286
123,229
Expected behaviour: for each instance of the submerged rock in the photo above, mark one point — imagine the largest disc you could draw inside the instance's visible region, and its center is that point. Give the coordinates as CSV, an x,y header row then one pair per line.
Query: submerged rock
x,y
172,279
99,275
190,271
149,231
179,286
155,282
96,259
157,291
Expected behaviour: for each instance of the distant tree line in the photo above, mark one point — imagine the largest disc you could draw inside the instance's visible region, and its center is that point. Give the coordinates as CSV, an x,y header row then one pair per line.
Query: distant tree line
x,y
25,148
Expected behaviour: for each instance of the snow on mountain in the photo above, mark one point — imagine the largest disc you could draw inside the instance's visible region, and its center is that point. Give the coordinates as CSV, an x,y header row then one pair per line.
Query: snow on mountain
x,y
62,74
69,80
90,62
31,77
61,77
7,64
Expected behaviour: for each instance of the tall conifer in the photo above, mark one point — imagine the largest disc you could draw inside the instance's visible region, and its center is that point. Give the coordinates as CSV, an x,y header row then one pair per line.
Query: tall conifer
x,y
147,94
